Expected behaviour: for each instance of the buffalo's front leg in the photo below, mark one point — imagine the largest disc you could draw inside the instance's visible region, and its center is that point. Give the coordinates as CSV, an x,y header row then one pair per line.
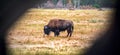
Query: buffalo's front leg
x,y
56,33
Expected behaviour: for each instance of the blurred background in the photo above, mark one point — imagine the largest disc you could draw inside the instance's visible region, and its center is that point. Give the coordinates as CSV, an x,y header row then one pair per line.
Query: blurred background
x,y
76,4
91,19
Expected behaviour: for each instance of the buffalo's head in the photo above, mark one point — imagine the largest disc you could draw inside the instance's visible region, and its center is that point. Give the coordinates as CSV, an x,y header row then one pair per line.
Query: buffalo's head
x,y
46,30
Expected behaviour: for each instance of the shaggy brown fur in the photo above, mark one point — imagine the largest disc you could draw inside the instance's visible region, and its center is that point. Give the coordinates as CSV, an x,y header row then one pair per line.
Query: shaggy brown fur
x,y
58,25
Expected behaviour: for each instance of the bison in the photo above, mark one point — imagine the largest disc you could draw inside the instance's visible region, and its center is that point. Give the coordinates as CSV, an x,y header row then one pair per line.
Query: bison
x,y
58,25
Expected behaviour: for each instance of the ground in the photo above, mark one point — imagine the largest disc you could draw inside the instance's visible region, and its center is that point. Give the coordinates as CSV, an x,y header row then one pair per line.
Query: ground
x,y
26,36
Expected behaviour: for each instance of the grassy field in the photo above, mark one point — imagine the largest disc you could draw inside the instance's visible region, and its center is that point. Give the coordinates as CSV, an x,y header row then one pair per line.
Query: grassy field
x,y
26,36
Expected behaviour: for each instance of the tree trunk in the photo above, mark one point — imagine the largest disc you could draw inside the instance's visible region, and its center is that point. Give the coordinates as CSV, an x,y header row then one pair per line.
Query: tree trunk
x,y
69,4
49,4
59,4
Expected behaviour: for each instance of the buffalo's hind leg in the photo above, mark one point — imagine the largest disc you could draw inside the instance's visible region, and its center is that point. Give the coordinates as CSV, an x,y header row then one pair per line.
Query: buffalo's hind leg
x,y
69,34
69,31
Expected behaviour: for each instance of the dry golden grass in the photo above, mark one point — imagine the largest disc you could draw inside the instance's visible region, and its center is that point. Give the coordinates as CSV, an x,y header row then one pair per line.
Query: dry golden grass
x,y
26,36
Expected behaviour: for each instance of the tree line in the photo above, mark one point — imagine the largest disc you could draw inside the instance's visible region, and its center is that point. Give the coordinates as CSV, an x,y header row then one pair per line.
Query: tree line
x,y
75,3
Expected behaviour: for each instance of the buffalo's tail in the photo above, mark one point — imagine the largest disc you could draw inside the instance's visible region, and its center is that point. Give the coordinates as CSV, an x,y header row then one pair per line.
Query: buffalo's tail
x,y
72,28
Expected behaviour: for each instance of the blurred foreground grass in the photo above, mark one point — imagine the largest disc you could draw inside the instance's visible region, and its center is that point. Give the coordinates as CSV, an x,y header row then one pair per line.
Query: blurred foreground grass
x,y
26,36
